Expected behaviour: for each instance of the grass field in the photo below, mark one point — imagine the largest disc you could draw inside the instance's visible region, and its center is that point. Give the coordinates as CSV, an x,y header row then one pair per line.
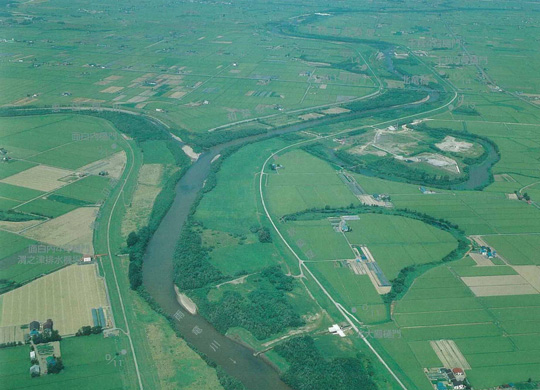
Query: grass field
x,y
66,296
102,359
305,182
62,141
395,243
231,209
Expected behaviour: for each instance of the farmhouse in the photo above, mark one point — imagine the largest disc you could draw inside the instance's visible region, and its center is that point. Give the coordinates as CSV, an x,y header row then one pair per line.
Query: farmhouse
x,y
488,252
459,374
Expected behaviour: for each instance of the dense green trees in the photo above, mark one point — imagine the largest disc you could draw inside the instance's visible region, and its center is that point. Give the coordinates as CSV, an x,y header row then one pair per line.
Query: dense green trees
x,y
88,330
264,311
192,269
207,140
46,338
15,216
263,233
278,279
138,127
309,370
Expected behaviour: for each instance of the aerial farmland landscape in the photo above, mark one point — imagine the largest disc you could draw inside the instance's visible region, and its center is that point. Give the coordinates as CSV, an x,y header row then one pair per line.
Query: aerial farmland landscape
x,y
261,195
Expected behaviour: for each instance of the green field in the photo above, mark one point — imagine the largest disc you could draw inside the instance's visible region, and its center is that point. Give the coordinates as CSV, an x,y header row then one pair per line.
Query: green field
x,y
304,182
232,69
103,359
395,242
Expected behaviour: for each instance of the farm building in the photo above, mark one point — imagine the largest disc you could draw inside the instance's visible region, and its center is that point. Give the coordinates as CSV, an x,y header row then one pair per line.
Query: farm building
x,y
34,370
48,324
424,190
336,329
488,252
344,227
98,317
459,374
34,325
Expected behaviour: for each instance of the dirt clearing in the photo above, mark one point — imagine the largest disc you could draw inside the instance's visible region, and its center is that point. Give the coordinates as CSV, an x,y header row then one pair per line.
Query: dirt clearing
x,y
481,260
112,90
17,226
531,273
335,110
312,115
148,187
450,144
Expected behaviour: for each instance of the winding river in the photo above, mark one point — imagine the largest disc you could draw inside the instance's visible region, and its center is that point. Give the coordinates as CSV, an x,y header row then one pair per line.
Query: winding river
x,y
158,273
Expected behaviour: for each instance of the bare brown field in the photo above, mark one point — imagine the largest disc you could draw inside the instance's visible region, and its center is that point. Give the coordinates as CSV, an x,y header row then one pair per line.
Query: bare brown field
x,y
113,165
481,260
71,231
335,110
449,354
41,178
16,227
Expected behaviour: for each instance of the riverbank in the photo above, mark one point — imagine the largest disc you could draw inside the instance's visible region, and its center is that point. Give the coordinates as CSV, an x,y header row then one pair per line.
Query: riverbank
x,y
185,301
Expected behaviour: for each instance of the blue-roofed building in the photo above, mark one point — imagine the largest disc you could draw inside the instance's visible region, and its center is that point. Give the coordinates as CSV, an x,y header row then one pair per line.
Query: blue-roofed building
x,y
101,314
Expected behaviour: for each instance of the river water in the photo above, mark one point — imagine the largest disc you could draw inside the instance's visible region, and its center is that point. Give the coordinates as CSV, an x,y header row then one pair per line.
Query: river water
x,y
158,275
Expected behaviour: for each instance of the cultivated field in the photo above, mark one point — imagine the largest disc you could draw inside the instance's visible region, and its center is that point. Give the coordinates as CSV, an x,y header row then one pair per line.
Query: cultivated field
x,y
66,296
449,354
42,178
72,231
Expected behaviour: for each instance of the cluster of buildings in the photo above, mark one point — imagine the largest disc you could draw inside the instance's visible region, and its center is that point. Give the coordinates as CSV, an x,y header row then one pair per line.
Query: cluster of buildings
x,y
36,328
448,379
45,357
488,252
